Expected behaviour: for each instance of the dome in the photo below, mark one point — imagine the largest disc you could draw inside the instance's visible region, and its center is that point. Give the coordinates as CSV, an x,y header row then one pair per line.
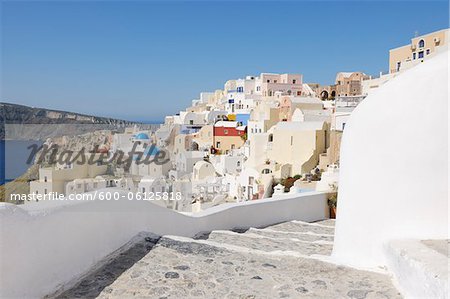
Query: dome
x,y
201,164
142,136
203,170
393,176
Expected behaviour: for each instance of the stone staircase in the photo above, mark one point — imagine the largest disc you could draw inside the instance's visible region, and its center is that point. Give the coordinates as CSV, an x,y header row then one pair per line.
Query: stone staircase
x,y
286,260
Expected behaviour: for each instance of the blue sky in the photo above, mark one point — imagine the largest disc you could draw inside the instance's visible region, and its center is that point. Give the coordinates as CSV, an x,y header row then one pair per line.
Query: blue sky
x,y
143,60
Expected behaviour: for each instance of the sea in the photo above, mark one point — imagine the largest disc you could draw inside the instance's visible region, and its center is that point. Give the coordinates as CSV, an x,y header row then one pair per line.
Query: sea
x,y
14,156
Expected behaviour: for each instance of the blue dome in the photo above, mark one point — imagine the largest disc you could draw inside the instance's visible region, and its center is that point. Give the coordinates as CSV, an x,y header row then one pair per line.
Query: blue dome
x,y
142,136
151,151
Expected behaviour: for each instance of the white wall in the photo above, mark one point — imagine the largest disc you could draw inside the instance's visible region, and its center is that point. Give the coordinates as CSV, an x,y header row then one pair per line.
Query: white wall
x,y
50,243
394,156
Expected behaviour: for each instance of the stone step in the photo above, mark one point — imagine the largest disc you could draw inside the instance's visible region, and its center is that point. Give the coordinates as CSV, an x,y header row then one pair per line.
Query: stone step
x,y
184,268
302,236
266,244
326,222
110,268
299,226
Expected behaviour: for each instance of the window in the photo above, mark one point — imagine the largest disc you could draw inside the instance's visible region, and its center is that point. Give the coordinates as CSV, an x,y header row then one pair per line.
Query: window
x,y
299,93
421,54
268,81
232,146
225,132
294,81
45,179
428,51
414,56
218,144
399,64
45,191
143,190
292,140
274,81
238,164
421,43
191,122
258,88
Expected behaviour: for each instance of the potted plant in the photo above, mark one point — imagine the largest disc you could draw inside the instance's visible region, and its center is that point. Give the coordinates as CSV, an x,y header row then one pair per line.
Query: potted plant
x,y
332,200
332,203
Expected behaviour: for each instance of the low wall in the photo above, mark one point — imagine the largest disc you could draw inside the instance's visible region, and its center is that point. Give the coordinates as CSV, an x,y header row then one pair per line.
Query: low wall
x,y
419,271
45,245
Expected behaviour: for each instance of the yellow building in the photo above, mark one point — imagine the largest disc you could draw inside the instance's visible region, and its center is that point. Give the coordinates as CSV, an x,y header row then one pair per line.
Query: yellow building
x,y
298,144
55,178
228,135
421,48
204,137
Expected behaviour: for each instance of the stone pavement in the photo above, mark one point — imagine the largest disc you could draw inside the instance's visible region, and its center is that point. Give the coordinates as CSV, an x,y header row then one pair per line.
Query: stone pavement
x,y
286,260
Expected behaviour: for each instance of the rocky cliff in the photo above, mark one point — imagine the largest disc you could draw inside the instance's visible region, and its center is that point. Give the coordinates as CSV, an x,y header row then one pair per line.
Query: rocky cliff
x,y
23,122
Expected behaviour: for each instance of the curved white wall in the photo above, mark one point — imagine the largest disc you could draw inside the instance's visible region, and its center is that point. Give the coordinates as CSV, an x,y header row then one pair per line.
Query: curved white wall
x,y
394,159
46,244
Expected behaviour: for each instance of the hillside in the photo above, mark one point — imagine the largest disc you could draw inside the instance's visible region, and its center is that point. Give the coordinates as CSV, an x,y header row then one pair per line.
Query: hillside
x,y
23,122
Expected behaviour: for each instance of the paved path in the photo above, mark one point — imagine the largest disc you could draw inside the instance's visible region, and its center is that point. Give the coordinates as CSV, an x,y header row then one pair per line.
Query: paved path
x,y
286,260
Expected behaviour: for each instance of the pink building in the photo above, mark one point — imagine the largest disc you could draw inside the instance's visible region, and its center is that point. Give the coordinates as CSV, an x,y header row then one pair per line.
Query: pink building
x,y
288,84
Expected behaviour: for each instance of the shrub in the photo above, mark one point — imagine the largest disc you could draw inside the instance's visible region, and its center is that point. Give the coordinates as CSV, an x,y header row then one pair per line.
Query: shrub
x,y
332,200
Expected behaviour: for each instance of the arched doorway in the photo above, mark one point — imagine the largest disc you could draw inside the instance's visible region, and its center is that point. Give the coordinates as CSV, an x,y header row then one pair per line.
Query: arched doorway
x,y
194,146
